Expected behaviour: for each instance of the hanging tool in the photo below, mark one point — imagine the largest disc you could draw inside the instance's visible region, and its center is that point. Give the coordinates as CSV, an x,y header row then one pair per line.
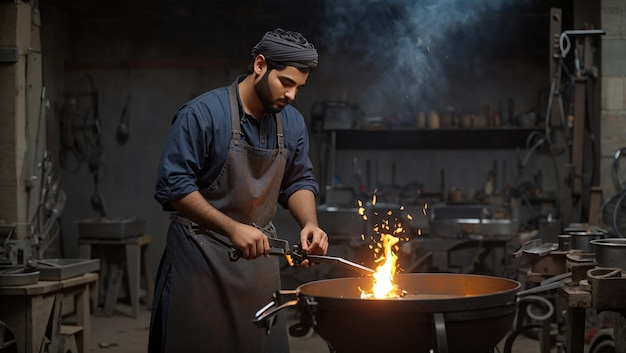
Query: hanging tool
x,y
122,132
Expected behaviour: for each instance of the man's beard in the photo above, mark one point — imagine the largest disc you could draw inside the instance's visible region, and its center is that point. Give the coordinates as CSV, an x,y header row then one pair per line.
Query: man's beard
x,y
262,89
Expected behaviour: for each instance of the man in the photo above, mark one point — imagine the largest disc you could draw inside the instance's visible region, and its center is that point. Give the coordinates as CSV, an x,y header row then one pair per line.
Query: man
x,y
232,153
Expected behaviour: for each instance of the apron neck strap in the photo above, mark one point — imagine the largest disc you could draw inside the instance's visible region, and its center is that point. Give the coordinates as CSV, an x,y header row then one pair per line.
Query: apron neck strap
x,y
234,112
234,116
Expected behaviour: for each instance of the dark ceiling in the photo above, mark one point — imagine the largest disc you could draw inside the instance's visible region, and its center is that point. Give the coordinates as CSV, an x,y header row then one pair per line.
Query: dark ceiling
x,y
125,8
279,8
500,27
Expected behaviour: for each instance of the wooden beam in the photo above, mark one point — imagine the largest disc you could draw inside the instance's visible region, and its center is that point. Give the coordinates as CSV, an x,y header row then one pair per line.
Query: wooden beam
x,y
595,206
578,138
17,33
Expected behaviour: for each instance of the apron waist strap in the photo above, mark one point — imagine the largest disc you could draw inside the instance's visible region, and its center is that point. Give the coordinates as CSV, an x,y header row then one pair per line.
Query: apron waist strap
x,y
194,227
269,229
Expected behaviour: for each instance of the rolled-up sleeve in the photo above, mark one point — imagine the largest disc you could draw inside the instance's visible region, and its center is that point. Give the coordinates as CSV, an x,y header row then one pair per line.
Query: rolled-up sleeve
x,y
182,157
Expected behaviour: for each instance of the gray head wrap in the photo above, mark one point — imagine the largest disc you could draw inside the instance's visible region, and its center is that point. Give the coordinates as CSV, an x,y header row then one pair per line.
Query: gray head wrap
x,y
287,48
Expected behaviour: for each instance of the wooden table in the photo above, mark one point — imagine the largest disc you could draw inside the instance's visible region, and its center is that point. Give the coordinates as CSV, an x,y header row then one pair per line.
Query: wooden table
x,y
33,313
135,250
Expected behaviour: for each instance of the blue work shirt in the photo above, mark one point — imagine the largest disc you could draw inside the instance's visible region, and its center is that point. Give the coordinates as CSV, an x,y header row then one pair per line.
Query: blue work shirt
x,y
199,140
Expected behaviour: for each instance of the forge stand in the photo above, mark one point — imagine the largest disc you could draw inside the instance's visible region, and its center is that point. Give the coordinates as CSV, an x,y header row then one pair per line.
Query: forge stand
x,y
602,290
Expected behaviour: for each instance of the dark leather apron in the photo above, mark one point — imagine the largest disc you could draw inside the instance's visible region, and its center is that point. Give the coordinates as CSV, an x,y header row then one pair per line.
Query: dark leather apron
x,y
204,302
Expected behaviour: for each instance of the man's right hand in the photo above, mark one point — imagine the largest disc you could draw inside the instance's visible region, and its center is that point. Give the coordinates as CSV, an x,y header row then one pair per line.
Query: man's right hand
x,y
250,241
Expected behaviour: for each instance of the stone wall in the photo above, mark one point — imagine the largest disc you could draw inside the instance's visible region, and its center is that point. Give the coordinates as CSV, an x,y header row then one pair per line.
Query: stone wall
x,y
613,78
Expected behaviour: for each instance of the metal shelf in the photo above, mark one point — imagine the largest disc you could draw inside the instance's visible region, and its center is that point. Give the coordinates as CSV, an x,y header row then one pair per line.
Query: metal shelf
x,y
442,138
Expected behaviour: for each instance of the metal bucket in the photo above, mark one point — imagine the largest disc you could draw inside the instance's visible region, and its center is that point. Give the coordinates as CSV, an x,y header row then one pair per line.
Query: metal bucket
x,y
581,240
610,252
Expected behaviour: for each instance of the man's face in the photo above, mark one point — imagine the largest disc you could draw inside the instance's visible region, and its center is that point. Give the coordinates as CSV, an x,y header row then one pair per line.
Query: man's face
x,y
276,89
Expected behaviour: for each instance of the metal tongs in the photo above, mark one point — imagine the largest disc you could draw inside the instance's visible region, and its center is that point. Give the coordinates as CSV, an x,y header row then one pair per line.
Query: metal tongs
x,y
295,255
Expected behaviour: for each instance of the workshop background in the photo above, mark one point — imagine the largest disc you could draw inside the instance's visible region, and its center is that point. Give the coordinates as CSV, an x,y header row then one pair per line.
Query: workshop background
x,y
130,65
474,110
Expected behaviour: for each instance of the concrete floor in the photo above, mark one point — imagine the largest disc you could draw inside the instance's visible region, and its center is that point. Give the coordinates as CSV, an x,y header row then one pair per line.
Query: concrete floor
x,y
121,333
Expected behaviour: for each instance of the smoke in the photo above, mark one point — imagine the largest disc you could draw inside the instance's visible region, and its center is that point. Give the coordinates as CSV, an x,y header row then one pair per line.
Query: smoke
x,y
411,43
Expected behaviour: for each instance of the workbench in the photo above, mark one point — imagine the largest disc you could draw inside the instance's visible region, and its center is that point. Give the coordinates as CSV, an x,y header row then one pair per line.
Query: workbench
x,y
488,251
134,263
34,313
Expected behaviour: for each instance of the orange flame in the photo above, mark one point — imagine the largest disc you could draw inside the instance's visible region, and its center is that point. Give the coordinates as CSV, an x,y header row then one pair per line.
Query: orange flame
x,y
383,279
